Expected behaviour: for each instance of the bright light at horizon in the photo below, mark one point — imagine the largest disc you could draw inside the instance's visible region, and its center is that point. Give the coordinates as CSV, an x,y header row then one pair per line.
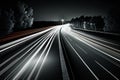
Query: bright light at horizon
x,y
66,27
62,20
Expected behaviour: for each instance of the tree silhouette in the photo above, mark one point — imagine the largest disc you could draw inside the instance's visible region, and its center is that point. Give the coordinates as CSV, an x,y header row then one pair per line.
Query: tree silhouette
x,y
88,22
15,17
23,16
113,21
6,21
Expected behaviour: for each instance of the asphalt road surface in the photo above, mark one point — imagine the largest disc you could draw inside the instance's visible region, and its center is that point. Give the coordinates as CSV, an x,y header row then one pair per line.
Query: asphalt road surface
x,y
60,53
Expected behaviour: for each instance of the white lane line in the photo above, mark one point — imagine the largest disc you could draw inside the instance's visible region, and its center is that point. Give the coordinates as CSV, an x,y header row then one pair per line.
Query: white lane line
x,y
95,38
29,77
16,42
11,73
65,74
20,51
111,61
36,77
14,45
81,48
3,63
106,70
82,60
111,49
28,62
86,42
73,76
38,43
69,38
15,61
24,59
101,44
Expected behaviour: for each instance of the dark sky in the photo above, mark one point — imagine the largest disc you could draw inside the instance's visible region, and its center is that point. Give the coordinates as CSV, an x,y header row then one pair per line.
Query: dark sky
x,y
67,9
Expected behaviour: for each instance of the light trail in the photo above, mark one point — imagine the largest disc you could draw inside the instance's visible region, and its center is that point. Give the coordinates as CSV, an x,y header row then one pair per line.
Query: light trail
x,y
33,43
82,60
40,57
99,43
39,42
16,42
106,70
62,60
15,61
91,44
57,30
29,61
95,38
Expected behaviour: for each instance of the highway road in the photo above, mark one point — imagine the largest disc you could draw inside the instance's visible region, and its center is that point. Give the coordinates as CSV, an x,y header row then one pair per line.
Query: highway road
x,y
60,53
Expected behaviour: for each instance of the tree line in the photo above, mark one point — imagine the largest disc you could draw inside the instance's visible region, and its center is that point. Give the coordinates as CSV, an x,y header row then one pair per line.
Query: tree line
x,y
15,17
108,23
88,22
112,20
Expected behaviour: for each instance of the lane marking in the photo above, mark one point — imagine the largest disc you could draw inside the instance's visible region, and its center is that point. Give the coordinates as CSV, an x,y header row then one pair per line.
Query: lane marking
x,y
92,37
26,57
81,48
28,62
65,74
16,42
10,65
106,70
20,51
36,77
82,60
116,51
69,38
35,66
86,42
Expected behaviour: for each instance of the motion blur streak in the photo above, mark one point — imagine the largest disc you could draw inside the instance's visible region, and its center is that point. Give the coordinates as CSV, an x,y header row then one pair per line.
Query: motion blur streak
x,y
60,53
83,61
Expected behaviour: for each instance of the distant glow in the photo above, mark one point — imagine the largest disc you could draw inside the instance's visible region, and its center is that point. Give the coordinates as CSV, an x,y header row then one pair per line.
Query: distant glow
x,y
66,28
62,20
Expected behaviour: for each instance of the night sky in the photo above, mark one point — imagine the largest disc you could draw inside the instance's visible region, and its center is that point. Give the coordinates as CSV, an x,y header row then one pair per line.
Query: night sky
x,y
67,9
57,9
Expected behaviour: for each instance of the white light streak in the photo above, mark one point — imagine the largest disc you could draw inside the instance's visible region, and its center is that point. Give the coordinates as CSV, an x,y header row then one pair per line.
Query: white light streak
x,y
29,61
106,70
16,42
82,60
